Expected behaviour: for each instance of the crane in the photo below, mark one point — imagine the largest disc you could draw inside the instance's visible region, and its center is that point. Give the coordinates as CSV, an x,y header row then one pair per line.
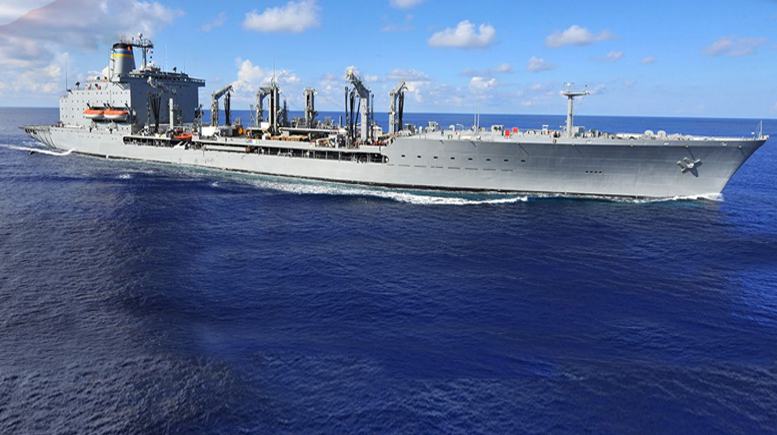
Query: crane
x,y
364,107
274,92
395,117
310,111
263,92
214,105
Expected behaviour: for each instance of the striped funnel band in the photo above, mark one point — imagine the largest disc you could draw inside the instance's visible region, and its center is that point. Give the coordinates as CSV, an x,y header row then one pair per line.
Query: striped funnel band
x,y
122,51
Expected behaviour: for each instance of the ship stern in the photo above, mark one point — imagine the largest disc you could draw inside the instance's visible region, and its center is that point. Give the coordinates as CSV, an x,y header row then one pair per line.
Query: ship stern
x,y
40,133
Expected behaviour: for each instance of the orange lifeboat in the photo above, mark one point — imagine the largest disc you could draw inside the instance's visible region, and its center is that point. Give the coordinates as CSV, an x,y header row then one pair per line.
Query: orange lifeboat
x,y
94,114
116,114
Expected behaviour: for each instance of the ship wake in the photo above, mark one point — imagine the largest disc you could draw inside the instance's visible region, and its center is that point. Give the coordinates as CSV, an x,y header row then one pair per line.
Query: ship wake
x,y
418,197
34,150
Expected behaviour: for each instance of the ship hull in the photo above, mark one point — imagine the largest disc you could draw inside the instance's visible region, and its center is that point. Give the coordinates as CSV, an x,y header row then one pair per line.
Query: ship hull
x,y
567,166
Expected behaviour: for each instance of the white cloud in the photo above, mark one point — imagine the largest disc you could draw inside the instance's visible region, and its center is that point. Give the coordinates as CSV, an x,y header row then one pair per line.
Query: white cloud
x,y
504,68
464,36
598,90
649,59
404,4
11,10
37,37
35,47
481,84
408,75
44,80
250,77
214,23
537,64
576,35
734,46
539,94
612,56
294,17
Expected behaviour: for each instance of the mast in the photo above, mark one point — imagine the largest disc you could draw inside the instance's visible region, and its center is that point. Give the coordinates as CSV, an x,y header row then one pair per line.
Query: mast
x,y
570,107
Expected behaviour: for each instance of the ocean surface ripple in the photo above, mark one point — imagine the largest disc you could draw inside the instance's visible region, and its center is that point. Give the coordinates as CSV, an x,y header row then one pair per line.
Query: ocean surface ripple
x,y
141,298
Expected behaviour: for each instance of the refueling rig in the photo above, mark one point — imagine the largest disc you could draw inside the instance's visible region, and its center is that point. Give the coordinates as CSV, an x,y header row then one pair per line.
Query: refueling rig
x,y
272,122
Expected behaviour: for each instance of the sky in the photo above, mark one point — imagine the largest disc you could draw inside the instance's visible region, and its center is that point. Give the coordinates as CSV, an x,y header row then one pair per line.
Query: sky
x,y
660,58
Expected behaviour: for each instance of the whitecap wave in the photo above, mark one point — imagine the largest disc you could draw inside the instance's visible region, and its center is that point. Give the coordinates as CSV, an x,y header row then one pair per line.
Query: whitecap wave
x,y
125,176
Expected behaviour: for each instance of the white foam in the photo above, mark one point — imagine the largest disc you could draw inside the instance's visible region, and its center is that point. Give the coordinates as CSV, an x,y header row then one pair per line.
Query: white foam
x,y
714,197
125,176
403,196
39,150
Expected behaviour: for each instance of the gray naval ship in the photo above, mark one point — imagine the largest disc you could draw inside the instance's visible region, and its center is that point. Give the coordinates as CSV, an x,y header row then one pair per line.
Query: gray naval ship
x,y
153,115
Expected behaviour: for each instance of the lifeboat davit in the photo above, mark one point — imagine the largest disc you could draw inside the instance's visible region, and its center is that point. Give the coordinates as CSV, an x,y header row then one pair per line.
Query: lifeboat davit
x,y
116,114
94,114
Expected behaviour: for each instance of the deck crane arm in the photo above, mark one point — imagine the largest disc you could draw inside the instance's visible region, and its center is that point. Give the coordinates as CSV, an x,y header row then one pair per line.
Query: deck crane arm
x,y
364,107
395,117
261,94
214,105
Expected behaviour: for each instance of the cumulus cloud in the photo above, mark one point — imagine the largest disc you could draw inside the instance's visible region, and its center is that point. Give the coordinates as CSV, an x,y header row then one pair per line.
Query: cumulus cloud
x,y
404,4
251,77
649,59
464,36
294,17
214,23
504,68
734,46
481,83
537,64
576,35
35,47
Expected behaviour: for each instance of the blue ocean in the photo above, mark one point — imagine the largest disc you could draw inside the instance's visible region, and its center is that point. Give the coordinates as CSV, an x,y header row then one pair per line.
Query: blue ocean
x,y
141,298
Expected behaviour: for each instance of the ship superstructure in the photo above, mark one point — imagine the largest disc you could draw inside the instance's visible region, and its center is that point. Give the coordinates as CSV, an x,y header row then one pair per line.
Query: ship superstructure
x,y
148,114
131,99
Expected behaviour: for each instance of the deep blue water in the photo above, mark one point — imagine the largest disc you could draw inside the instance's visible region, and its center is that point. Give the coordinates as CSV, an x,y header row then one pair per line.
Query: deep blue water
x,y
143,298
